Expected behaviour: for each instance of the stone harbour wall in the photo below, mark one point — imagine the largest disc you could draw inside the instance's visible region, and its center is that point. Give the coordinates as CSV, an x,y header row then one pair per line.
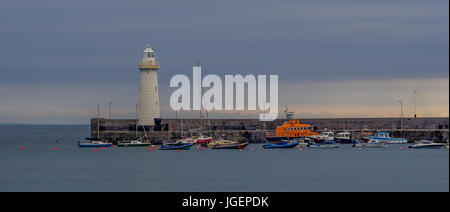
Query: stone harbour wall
x,y
253,130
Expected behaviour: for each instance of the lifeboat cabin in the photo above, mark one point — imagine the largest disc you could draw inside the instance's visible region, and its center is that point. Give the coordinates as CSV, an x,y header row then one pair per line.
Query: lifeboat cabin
x,y
290,130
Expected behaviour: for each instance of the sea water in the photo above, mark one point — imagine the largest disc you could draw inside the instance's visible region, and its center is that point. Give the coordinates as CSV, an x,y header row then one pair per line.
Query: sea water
x,y
41,167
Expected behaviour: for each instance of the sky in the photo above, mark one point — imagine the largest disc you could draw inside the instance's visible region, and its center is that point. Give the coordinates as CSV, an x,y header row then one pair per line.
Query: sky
x,y
349,58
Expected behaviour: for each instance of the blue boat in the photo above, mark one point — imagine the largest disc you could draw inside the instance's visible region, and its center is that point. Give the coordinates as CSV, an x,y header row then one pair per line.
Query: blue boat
x,y
325,144
176,146
384,137
94,144
283,144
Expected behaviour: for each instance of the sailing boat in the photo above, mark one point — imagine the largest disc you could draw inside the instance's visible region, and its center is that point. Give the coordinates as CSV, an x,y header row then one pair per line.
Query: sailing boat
x,y
203,139
96,143
180,144
135,142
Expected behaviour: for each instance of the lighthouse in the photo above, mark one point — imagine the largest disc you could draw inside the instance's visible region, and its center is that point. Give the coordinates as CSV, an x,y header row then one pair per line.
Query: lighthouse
x,y
148,88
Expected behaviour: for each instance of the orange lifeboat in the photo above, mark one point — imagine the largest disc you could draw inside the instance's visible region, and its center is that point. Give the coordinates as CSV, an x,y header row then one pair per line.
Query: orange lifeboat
x,y
291,129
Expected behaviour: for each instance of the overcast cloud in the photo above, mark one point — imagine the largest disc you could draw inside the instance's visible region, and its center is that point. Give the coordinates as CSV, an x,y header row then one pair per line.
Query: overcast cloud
x,y
56,52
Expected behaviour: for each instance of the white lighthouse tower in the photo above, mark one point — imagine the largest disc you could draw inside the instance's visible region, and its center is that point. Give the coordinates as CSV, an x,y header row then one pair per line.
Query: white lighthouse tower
x,y
148,89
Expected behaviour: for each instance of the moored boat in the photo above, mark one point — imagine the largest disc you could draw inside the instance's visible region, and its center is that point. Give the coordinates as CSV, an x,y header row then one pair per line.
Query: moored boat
x,y
292,129
325,144
371,144
425,144
281,145
227,144
189,140
176,146
94,144
323,136
385,138
203,139
97,142
133,143
344,138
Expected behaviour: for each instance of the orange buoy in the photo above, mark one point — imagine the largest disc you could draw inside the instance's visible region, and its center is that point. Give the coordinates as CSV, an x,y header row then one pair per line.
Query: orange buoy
x,y
95,150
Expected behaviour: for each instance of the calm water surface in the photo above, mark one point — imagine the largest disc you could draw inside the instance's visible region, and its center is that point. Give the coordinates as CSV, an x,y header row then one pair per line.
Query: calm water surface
x,y
37,168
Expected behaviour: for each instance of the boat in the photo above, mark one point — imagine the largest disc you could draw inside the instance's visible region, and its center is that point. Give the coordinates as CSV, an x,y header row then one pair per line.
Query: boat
x,y
97,142
227,144
176,146
344,138
324,144
189,140
426,144
94,144
385,138
292,129
371,144
136,142
203,139
323,136
196,140
281,145
133,143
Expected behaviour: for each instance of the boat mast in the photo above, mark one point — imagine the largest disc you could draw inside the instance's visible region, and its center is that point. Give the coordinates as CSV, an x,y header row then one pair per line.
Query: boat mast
x,y
201,106
182,130
137,136
415,103
209,123
98,122
201,118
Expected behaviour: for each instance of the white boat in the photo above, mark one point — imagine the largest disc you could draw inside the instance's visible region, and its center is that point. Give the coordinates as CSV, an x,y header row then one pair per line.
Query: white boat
x,y
324,136
325,144
425,144
371,145
385,138
190,140
133,143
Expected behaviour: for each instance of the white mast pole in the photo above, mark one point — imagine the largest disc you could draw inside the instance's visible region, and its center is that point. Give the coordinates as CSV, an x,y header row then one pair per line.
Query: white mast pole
x,y
98,122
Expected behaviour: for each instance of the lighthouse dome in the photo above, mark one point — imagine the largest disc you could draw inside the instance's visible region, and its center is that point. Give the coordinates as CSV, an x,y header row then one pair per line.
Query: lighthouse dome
x,y
148,56
148,49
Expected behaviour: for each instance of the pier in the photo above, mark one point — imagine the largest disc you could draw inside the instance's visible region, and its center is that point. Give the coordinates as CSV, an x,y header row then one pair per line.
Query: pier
x,y
255,131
